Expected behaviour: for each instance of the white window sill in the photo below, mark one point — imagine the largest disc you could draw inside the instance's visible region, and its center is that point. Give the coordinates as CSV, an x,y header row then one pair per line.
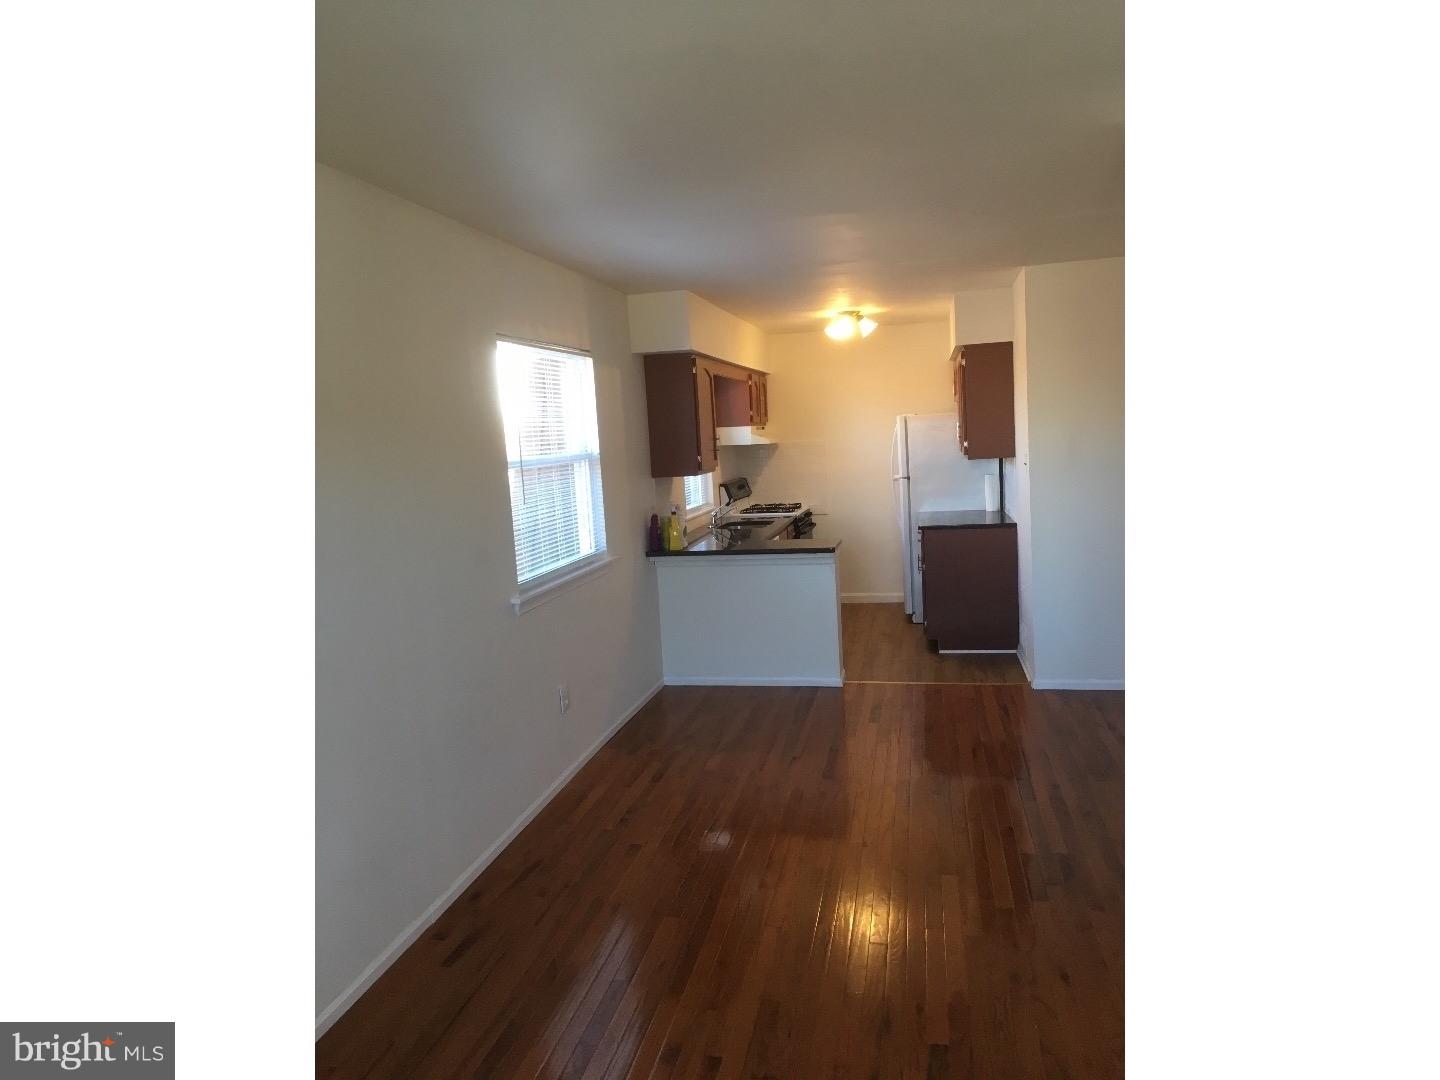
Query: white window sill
x,y
533,594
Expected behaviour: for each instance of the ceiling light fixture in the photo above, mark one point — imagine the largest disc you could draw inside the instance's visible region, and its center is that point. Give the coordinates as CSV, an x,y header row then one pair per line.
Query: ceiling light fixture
x,y
848,324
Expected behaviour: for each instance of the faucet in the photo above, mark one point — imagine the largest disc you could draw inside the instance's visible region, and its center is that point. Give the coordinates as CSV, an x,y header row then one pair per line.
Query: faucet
x,y
718,513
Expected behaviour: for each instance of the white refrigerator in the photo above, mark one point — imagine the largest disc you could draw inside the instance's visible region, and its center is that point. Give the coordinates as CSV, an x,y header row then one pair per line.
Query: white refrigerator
x,y
928,472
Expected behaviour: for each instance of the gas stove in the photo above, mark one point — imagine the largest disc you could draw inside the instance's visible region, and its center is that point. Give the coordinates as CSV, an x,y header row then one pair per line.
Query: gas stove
x,y
795,520
778,509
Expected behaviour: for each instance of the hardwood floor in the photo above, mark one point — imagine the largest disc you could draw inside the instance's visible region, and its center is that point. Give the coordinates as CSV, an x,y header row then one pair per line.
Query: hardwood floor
x,y
885,880
881,644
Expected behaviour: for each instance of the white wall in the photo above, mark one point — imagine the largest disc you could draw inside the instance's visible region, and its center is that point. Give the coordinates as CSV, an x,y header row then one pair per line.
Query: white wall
x,y
676,320
834,405
1017,476
715,331
1074,389
670,490
981,315
659,322
437,721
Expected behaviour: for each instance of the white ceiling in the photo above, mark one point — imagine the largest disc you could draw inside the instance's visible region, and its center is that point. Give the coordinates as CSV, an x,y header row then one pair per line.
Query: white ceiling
x,y
779,158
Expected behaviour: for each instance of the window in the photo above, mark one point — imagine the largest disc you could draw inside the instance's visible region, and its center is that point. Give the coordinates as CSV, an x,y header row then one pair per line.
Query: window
x,y
699,491
547,396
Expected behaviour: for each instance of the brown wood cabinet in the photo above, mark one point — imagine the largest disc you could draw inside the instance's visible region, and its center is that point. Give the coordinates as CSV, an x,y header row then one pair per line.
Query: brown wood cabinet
x,y
679,403
741,397
971,582
760,394
733,401
984,377
689,394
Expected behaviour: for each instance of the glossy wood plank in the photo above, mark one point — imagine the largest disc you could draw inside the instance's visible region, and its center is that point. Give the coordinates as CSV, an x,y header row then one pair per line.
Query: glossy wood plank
x,y
887,880
881,644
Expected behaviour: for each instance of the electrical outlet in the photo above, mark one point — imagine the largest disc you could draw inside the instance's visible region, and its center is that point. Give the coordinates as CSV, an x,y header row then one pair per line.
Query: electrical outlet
x,y
564,698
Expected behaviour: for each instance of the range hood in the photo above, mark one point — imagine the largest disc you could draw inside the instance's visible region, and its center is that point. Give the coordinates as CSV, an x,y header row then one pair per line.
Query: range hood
x,y
742,436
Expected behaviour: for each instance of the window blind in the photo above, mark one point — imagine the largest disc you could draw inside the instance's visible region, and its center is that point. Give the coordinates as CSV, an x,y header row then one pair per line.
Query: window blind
x,y
698,490
556,502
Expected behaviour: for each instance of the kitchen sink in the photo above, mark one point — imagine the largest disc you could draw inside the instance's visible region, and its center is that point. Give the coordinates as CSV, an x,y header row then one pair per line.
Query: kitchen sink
x,y
769,530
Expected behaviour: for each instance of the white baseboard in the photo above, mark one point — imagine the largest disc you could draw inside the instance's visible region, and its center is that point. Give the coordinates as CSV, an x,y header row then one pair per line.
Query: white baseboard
x,y
1077,684
1025,664
408,936
872,597
746,680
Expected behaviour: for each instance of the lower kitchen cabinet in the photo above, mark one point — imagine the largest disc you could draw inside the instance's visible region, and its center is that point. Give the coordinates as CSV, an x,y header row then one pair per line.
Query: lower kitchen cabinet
x,y
971,578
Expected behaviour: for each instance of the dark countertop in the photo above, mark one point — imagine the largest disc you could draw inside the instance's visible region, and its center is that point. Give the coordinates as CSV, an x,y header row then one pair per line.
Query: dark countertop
x,y
963,519
751,540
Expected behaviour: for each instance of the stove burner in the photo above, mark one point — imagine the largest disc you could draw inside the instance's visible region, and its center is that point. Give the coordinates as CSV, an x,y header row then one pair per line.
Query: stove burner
x,y
772,508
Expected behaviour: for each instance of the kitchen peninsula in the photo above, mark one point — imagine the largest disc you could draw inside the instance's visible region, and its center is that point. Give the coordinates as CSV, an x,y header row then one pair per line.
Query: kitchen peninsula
x,y
743,605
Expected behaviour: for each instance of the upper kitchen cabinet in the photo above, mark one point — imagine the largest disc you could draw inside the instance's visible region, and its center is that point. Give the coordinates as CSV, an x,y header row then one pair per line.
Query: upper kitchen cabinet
x,y
696,404
680,404
985,398
742,397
